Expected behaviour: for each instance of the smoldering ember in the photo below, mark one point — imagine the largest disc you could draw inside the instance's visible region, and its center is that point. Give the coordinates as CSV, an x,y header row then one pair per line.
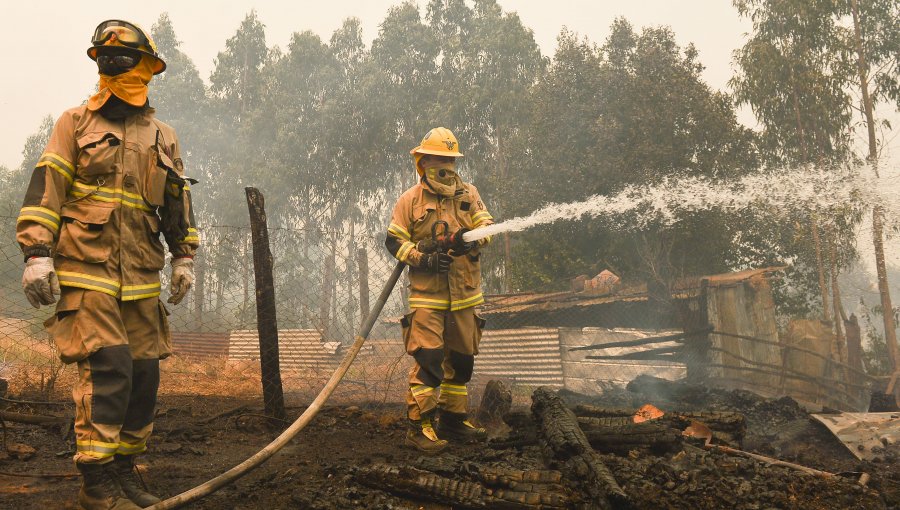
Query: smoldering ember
x,y
474,270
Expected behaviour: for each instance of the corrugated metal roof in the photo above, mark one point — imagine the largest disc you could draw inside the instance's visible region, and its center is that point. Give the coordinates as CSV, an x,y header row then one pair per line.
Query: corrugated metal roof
x,y
527,356
543,302
203,345
297,349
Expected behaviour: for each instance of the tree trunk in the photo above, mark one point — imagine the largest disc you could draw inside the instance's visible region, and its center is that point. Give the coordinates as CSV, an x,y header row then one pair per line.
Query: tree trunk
x,y
199,290
839,345
363,262
823,287
890,332
325,303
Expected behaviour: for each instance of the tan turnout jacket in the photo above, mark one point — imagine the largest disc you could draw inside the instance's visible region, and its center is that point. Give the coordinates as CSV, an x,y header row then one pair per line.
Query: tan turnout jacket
x,y
93,201
415,213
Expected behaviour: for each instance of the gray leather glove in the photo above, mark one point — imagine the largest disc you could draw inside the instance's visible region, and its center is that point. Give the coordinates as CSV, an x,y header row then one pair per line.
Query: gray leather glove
x,y
39,281
182,279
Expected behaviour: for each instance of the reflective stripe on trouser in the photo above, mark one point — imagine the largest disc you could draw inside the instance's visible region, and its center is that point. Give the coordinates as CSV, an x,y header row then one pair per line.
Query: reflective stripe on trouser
x,y
437,340
117,346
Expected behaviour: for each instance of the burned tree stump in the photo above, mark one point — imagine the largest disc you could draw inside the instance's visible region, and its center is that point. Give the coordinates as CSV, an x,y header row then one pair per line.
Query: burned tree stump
x,y
495,403
564,442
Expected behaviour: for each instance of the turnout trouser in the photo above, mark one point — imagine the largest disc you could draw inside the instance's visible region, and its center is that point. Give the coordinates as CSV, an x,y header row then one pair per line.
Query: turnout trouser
x,y
117,346
444,345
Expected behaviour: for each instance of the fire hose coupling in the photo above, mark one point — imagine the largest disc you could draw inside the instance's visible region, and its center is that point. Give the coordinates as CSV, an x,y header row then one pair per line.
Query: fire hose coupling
x,y
443,241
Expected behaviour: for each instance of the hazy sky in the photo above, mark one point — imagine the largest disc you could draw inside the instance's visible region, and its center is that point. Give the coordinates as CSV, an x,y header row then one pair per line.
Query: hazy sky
x,y
47,70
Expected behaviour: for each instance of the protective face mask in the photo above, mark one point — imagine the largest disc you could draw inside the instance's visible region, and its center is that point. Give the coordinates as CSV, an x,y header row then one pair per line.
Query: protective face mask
x,y
444,180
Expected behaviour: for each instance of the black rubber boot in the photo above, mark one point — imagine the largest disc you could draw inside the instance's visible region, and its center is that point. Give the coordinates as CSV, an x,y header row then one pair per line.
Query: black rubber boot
x,y
421,436
124,472
100,491
456,427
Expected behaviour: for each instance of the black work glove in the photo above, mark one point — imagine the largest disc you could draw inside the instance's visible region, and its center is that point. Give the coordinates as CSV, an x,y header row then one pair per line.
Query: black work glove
x,y
437,262
427,246
174,224
459,246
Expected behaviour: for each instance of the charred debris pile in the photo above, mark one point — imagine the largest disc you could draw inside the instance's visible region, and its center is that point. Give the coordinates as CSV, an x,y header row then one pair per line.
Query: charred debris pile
x,y
656,444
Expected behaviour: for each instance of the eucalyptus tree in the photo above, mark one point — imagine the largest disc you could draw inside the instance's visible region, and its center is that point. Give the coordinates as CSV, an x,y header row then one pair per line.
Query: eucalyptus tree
x,y
179,95
632,111
793,77
874,44
403,77
488,62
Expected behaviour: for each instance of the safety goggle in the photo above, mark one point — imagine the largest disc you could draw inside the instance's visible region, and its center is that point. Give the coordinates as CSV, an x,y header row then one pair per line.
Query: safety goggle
x,y
125,33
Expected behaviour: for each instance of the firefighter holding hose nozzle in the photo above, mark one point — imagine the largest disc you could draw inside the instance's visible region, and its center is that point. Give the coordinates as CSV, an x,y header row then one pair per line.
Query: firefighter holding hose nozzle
x,y
442,331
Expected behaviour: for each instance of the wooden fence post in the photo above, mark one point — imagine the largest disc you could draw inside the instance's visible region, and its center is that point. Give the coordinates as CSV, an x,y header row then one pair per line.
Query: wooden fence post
x,y
266,322
696,347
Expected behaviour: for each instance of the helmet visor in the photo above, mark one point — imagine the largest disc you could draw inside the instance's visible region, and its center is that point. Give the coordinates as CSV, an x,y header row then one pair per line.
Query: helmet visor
x,y
124,32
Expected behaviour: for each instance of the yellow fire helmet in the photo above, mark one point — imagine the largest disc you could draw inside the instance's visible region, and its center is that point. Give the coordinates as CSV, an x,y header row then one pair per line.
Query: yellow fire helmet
x,y
439,142
115,32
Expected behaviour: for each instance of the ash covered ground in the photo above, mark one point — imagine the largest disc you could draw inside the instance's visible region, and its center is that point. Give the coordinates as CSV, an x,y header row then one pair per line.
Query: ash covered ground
x,y
351,457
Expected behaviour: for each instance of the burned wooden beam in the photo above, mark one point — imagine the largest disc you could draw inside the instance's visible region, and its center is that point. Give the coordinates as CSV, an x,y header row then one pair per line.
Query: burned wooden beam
x,y
727,426
564,442
624,437
672,353
679,337
419,484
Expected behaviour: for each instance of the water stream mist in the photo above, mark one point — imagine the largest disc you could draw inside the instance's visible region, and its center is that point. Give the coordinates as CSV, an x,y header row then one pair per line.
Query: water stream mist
x,y
805,188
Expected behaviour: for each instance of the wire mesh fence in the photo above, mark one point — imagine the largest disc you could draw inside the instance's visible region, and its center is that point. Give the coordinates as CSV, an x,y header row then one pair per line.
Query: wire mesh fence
x,y
597,335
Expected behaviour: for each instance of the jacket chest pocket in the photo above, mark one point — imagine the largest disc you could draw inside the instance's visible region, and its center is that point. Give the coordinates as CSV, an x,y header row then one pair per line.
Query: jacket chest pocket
x,y
424,216
98,154
85,235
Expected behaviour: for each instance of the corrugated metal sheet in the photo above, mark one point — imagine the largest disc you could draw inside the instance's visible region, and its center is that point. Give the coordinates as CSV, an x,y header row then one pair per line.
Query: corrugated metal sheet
x,y
202,345
528,356
297,349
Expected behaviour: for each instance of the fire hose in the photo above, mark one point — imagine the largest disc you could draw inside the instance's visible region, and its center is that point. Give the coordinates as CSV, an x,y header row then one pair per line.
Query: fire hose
x,y
278,443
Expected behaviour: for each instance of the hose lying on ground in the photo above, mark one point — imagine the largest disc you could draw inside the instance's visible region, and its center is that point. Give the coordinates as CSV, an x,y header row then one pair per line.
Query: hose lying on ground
x,y
278,443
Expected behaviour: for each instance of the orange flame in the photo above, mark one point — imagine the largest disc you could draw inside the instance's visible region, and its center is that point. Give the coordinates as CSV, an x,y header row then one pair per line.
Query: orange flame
x,y
647,412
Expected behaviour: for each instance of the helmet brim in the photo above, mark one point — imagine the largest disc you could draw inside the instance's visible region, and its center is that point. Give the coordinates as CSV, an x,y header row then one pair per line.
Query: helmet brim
x,y
435,152
159,65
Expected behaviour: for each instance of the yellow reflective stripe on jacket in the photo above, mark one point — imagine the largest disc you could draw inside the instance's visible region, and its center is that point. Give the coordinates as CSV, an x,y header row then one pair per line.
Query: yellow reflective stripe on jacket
x,y
404,251
420,389
453,389
468,302
192,236
399,231
42,215
434,304
97,449
136,292
86,281
112,195
131,449
481,218
58,163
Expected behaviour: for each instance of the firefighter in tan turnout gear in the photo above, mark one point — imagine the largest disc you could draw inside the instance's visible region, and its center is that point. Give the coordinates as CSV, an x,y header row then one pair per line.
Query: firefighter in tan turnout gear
x,y
108,183
442,331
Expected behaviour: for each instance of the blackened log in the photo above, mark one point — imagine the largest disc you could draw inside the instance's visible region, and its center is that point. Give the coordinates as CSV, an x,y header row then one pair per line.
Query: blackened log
x,y
564,442
419,484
